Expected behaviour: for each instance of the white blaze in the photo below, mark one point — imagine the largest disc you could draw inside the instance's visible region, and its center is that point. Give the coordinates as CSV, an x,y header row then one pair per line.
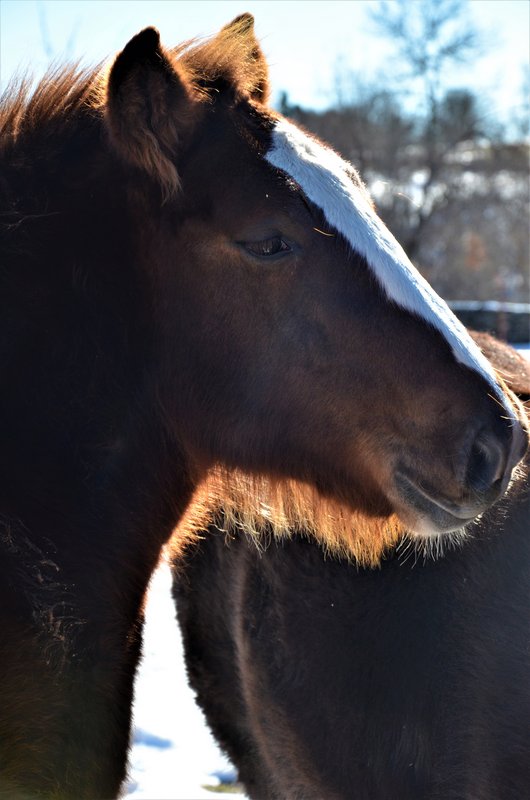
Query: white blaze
x,y
323,177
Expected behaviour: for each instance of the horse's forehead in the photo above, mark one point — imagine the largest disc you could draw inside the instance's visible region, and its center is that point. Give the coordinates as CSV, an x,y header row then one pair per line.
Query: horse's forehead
x,y
326,179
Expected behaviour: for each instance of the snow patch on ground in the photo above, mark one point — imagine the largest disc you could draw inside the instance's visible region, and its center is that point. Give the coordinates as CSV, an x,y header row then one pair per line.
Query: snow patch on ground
x,y
173,754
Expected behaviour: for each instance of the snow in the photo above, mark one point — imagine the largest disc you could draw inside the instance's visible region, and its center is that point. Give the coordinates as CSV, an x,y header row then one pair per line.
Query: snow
x,y
173,754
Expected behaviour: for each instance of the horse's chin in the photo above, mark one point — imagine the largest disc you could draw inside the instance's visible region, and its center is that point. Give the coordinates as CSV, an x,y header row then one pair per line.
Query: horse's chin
x,y
439,523
427,542
431,536
427,512
424,528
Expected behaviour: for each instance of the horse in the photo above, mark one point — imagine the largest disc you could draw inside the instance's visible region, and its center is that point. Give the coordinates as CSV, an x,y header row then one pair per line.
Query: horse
x,y
189,289
323,679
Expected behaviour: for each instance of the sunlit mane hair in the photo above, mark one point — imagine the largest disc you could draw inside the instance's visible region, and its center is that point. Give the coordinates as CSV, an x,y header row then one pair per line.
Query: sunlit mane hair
x,y
265,508
60,94
232,56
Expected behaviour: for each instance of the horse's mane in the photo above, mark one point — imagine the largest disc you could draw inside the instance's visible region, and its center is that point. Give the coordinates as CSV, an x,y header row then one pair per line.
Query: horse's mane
x,y
52,102
260,505
65,91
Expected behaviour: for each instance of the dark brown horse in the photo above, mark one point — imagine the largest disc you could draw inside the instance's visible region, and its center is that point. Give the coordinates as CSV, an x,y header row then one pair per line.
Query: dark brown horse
x,y
410,682
189,281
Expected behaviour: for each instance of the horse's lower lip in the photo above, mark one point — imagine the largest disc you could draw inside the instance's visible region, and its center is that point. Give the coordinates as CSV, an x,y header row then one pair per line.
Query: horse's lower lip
x,y
445,514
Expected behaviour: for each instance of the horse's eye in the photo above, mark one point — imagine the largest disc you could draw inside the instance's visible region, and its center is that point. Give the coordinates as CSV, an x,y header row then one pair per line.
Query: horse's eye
x,y
268,247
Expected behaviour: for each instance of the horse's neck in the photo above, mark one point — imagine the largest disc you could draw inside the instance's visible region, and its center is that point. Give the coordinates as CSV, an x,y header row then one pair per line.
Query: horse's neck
x,y
84,450
147,484
119,518
84,464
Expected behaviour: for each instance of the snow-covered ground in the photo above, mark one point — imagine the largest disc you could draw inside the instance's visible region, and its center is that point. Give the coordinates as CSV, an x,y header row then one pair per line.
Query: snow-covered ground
x,y
174,756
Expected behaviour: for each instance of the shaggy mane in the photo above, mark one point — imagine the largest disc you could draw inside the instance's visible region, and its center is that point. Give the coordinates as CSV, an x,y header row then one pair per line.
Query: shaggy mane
x,y
262,508
283,508
232,56
59,95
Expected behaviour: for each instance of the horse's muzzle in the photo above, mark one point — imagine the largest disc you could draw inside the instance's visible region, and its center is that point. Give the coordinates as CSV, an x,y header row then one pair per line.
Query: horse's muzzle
x,y
484,478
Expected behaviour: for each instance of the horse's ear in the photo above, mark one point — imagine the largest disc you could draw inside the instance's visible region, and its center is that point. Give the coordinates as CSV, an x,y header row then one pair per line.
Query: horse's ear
x,y
149,106
249,67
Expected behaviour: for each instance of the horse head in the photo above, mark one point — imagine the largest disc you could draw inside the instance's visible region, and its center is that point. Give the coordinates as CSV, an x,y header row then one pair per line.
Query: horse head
x,y
300,341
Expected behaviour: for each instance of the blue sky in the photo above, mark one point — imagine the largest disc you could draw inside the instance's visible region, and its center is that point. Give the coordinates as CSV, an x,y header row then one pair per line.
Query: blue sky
x,y
303,39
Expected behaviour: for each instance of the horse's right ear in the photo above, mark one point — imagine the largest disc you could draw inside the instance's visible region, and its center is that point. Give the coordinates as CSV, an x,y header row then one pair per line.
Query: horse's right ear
x,y
149,107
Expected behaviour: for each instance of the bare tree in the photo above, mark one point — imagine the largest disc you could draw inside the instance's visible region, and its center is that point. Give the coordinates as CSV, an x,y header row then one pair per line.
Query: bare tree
x,y
446,178
428,37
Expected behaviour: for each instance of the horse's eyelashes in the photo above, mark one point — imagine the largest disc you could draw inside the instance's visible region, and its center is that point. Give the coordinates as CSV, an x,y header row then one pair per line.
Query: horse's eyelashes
x,y
267,248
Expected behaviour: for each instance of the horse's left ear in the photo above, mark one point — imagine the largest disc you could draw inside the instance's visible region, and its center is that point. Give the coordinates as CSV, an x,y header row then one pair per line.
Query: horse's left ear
x,y
149,107
249,69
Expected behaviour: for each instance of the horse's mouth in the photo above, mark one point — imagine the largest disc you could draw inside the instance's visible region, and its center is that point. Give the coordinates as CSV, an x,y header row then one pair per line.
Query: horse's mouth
x,y
426,513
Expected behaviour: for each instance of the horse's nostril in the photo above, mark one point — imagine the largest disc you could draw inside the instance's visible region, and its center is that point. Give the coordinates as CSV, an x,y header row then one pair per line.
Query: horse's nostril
x,y
487,463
